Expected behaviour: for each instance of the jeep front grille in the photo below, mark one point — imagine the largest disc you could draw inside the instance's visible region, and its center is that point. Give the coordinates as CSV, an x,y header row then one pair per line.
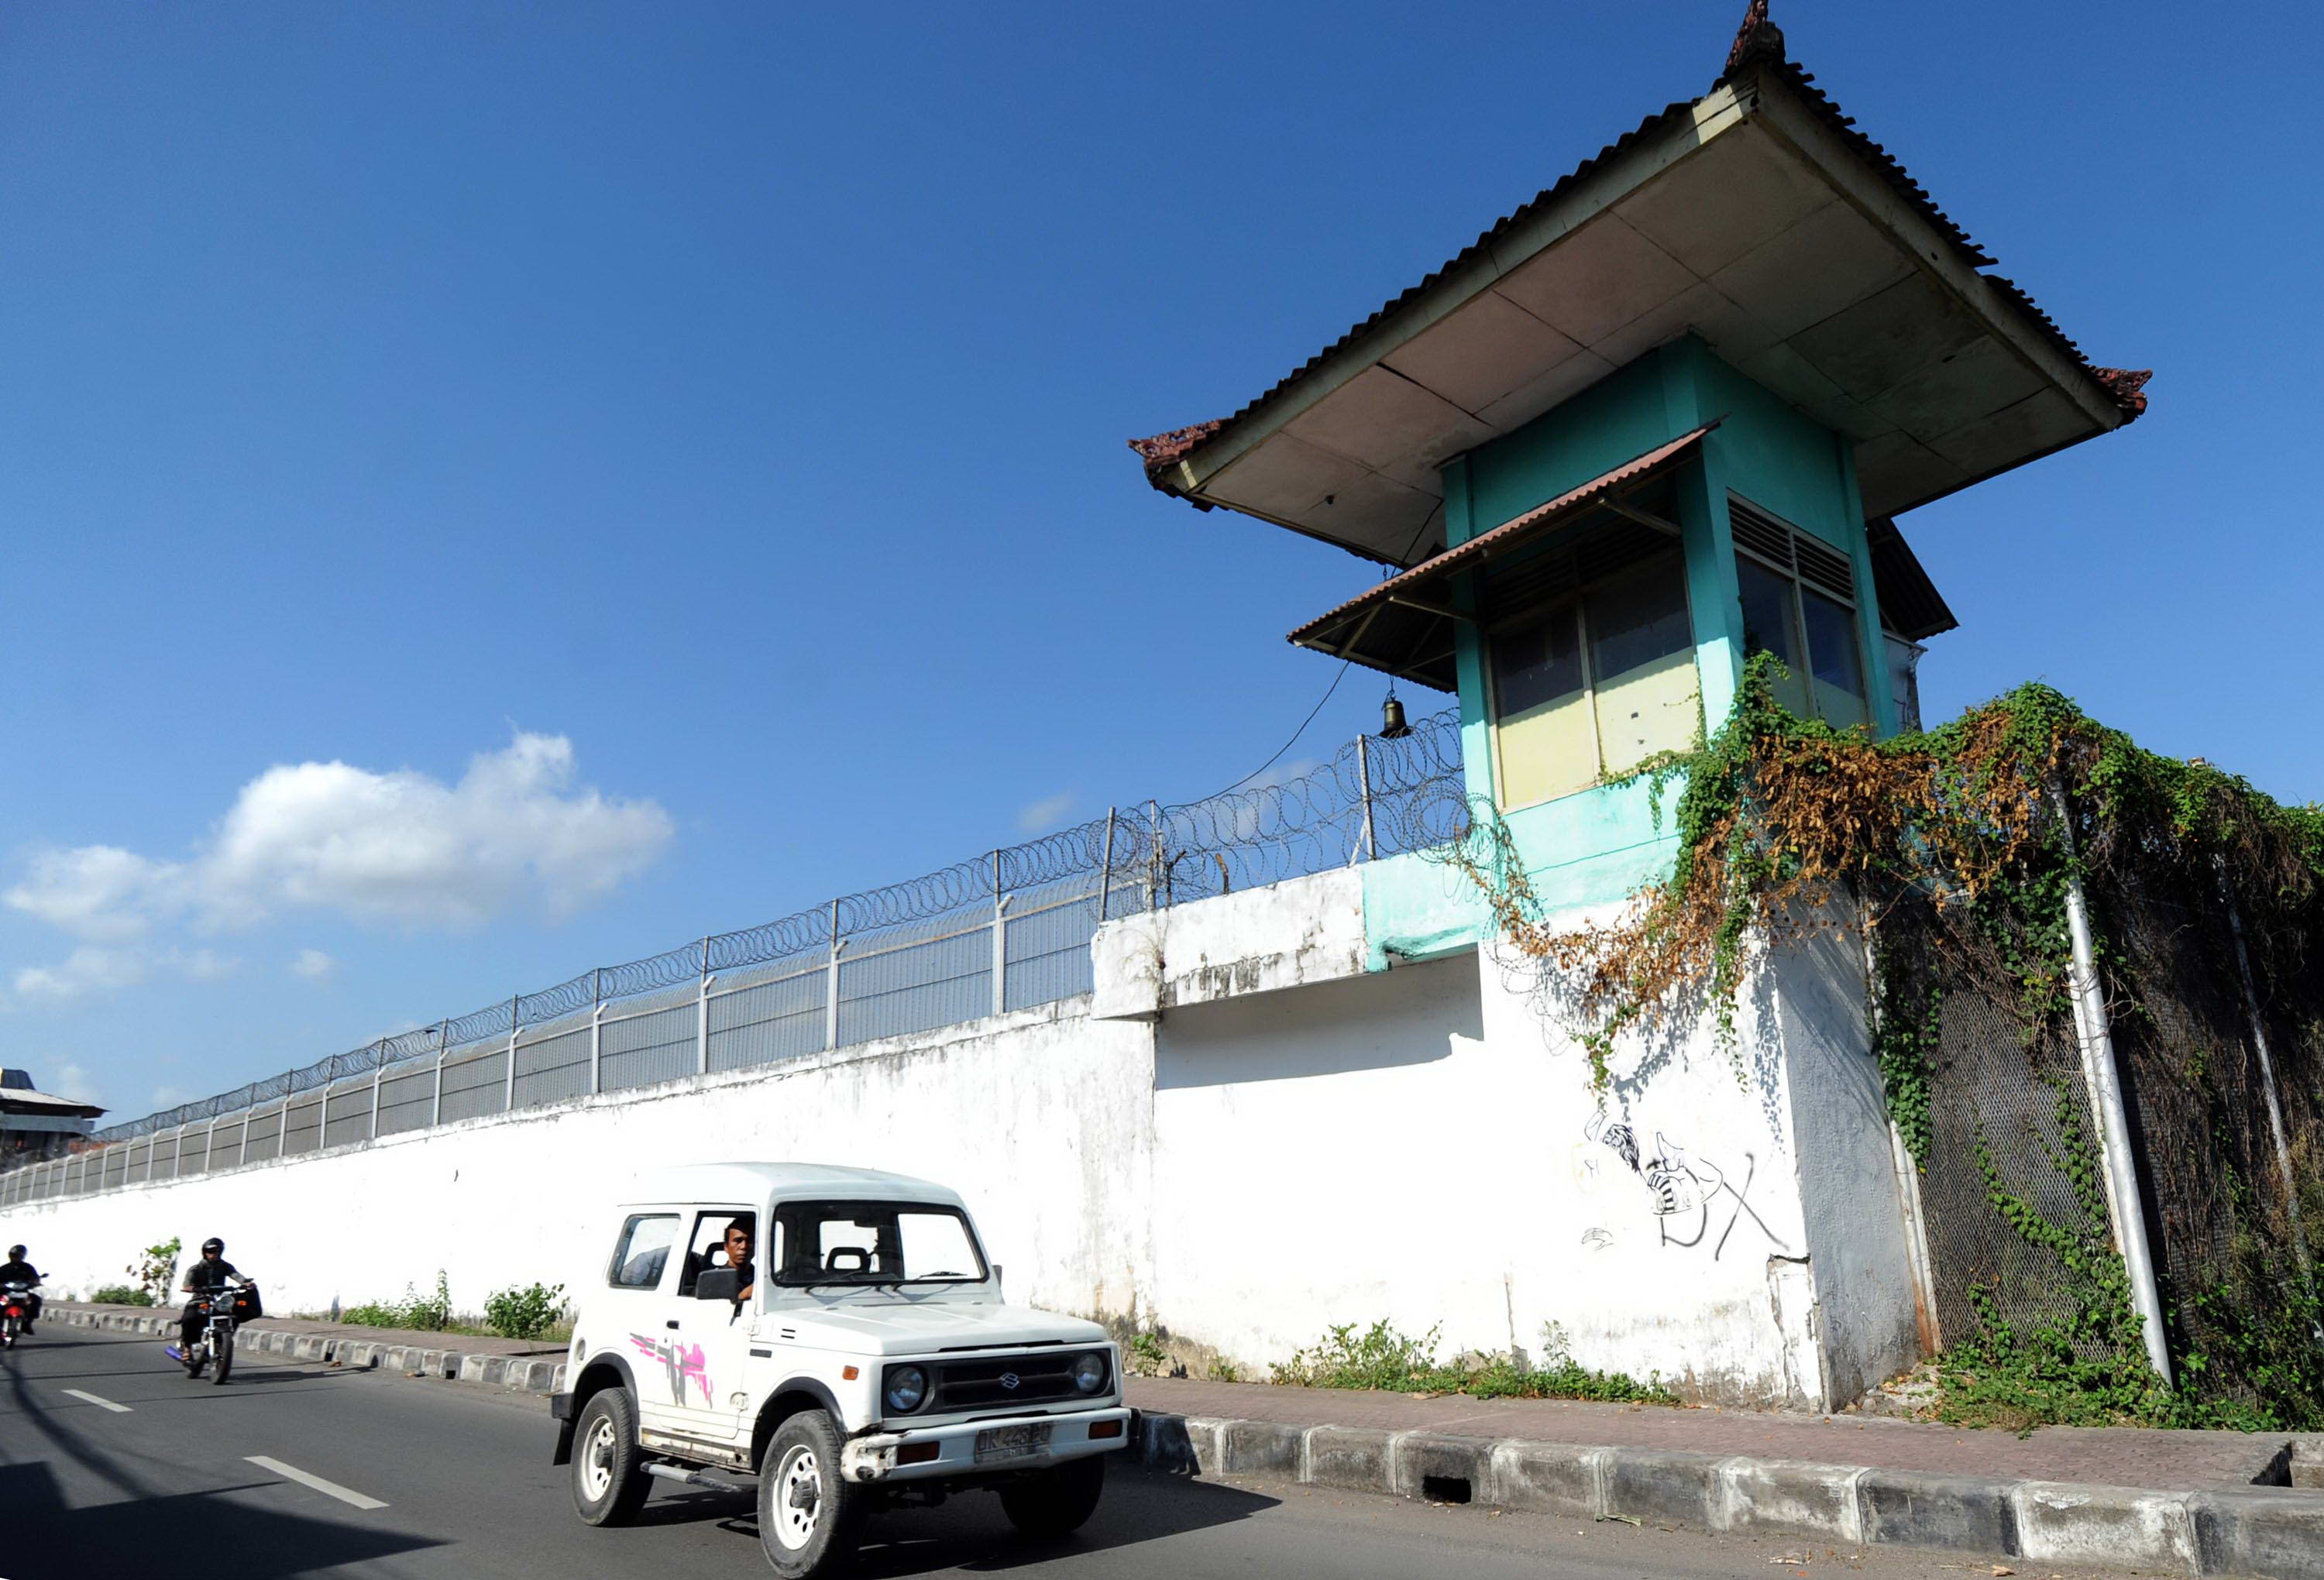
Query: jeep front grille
x,y
980,1385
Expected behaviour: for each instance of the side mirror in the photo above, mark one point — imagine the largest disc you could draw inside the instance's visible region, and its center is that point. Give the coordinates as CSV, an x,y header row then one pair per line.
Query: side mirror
x,y
718,1284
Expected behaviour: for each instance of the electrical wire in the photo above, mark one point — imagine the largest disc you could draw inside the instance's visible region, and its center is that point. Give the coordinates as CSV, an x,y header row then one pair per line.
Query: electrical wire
x,y
1345,664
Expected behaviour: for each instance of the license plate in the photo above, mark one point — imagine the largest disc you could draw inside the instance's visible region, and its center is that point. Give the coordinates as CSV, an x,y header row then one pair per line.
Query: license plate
x,y
1011,1442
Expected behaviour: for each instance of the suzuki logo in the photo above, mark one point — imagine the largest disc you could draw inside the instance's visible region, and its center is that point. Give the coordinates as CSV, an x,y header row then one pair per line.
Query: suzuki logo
x,y
1008,1380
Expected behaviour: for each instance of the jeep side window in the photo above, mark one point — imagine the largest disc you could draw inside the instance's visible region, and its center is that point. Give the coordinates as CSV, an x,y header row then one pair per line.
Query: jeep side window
x,y
709,1249
642,1250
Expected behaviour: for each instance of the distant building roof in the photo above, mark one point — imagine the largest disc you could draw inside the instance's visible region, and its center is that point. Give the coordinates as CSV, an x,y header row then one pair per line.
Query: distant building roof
x,y
1756,217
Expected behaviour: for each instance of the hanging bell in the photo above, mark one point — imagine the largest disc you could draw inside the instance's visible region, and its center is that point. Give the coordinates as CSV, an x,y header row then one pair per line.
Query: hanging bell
x,y
1392,724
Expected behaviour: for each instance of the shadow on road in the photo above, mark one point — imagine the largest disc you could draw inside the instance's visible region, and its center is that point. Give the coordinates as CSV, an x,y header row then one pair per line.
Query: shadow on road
x,y
130,1536
969,1532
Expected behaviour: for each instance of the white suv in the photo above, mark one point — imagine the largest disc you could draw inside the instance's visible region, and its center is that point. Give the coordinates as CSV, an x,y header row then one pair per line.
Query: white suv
x,y
838,1333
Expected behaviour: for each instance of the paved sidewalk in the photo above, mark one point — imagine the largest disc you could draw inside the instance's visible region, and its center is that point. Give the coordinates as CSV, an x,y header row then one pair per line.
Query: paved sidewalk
x,y
2115,1456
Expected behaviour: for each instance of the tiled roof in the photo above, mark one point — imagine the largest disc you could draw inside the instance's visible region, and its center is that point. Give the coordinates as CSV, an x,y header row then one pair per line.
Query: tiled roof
x,y
1758,43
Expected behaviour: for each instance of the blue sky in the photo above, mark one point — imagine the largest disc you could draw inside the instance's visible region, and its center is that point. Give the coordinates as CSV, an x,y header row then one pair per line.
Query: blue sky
x,y
670,459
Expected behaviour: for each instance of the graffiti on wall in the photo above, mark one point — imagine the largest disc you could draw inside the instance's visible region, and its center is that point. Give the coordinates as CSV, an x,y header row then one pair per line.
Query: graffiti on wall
x,y
1690,1195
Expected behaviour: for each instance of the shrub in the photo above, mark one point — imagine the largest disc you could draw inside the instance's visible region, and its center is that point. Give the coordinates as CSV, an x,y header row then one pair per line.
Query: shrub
x,y
1383,1357
121,1295
156,1269
1144,1356
525,1312
418,1312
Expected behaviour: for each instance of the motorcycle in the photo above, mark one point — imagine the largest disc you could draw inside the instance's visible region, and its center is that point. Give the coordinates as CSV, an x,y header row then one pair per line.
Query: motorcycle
x,y
220,1311
15,1312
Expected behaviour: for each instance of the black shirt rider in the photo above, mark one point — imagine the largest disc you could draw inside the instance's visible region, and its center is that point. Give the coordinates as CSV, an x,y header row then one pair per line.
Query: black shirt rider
x,y
16,1270
210,1273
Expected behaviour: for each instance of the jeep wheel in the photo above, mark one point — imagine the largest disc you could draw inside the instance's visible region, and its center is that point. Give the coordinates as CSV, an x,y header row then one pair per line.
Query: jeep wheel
x,y
1052,1502
809,1516
609,1473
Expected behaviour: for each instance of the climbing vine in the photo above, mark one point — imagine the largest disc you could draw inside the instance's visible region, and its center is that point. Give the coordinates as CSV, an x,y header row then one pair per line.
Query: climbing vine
x,y
1960,844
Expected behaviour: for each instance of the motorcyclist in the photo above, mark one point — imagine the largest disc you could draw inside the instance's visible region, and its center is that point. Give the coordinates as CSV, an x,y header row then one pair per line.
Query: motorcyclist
x,y
16,1270
206,1277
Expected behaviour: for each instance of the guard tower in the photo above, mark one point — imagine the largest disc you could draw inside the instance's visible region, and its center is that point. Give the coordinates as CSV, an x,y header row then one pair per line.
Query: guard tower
x,y
1660,417
1663,416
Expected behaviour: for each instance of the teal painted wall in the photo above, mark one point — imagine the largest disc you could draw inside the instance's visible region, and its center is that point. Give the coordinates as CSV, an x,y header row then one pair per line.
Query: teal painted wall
x,y
1600,845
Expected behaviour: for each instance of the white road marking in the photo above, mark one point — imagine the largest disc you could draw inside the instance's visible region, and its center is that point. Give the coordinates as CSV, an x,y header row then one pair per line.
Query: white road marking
x,y
330,1489
100,1403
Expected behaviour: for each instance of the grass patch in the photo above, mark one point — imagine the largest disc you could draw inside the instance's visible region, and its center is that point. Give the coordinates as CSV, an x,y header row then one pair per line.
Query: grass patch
x,y
1381,1358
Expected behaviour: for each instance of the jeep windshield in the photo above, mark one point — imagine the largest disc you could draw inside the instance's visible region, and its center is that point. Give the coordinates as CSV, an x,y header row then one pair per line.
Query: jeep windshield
x,y
874,1243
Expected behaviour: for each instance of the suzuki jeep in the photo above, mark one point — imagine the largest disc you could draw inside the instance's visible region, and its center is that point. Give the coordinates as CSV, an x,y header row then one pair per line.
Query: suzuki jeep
x,y
838,1334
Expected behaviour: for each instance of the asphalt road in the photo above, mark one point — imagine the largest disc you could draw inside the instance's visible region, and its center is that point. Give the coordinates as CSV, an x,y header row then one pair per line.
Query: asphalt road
x,y
113,1461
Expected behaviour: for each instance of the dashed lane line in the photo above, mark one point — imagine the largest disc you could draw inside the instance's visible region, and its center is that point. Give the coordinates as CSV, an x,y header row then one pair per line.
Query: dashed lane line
x,y
330,1489
100,1403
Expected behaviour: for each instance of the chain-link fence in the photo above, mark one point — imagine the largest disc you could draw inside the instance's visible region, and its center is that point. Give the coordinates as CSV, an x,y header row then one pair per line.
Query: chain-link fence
x,y
1007,931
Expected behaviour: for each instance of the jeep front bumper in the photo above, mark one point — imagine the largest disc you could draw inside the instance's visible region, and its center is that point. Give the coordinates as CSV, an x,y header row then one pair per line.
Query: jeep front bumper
x,y
872,1457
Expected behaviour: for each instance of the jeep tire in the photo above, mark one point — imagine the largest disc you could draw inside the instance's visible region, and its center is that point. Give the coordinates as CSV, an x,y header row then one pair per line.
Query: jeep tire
x,y
1056,1501
609,1473
809,1516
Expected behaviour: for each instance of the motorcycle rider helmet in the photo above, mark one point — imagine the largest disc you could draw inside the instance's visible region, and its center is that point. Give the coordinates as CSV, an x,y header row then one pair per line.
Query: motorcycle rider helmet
x,y
213,1244
16,1254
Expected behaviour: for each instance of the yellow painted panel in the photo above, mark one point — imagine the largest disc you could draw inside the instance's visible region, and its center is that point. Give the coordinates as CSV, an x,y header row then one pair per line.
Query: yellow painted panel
x,y
1547,751
1838,706
1647,710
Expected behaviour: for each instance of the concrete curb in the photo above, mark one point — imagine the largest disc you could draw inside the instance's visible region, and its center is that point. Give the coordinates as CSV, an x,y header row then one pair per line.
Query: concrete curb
x,y
509,1374
2277,1533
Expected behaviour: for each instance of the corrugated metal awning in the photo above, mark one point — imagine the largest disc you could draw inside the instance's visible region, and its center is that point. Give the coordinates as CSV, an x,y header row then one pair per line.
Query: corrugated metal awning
x,y
1403,626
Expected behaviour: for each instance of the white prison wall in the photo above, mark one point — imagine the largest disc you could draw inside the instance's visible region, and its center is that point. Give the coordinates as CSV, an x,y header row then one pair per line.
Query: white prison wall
x,y
1241,1137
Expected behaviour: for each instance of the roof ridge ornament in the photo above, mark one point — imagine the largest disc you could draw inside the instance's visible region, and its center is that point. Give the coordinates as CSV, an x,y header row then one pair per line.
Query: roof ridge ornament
x,y
2129,388
1757,40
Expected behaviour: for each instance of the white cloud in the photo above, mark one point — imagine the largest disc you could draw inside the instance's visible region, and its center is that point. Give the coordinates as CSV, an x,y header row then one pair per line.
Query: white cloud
x,y
88,969
169,1097
396,847
1039,817
99,968
73,1082
312,964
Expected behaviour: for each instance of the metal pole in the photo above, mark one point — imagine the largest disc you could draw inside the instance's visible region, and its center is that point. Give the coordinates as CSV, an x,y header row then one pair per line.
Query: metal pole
x,y
378,1071
596,1032
1105,868
1364,785
1154,858
210,1133
2266,1071
702,1015
435,1108
508,1101
1000,941
2104,1077
831,986
245,1142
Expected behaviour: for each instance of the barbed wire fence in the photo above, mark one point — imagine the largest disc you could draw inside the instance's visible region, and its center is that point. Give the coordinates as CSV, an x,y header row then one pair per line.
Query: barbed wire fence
x,y
1009,930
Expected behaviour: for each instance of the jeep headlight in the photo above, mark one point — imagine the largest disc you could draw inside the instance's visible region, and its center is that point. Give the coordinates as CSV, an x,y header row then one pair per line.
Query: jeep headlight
x,y
906,1390
1089,1373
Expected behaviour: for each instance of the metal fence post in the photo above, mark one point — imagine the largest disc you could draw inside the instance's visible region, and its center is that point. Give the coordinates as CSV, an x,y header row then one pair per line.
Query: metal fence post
x,y
508,1102
246,1143
378,1072
1000,941
210,1133
596,1032
2266,1071
830,986
2104,1080
1154,856
435,1108
702,1015
1105,868
1364,788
